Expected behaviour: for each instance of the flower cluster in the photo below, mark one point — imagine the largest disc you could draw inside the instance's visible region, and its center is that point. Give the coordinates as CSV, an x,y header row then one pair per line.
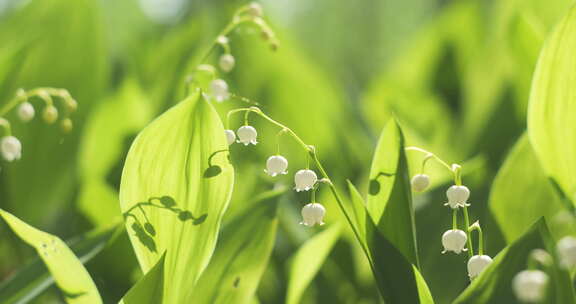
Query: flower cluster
x,y
455,240
304,179
10,146
252,13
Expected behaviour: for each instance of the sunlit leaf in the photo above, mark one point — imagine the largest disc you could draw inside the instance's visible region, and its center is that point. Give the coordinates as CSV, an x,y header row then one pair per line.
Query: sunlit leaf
x,y
164,186
241,255
389,198
521,193
149,289
398,280
494,285
307,262
66,269
552,108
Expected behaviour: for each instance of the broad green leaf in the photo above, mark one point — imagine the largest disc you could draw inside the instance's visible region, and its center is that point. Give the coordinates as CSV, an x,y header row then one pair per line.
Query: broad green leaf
x,y
34,278
521,192
150,288
307,261
109,130
389,200
176,185
494,285
66,269
241,255
398,280
552,107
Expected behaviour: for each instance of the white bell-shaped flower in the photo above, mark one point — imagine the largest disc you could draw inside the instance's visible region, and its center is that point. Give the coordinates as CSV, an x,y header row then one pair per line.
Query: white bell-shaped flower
x,y
227,62
454,240
313,214
477,264
530,285
276,165
26,111
247,135
11,148
230,136
566,248
305,180
420,182
457,196
219,90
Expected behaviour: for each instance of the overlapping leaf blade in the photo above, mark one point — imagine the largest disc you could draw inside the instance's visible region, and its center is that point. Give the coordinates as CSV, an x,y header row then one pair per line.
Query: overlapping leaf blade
x,y
242,254
307,262
552,107
66,269
521,193
150,288
389,200
176,186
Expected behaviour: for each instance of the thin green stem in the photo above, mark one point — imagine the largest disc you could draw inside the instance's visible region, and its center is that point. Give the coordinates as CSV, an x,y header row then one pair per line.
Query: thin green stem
x,y
278,140
454,218
430,155
5,124
469,235
235,22
44,93
476,226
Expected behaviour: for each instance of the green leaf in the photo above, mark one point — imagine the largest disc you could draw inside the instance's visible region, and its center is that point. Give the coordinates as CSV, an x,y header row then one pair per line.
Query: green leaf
x,y
66,269
241,255
494,283
107,133
521,192
149,289
552,107
34,278
398,280
307,261
389,200
169,202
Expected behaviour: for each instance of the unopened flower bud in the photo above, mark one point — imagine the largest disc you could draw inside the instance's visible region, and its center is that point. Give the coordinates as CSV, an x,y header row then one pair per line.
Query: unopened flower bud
x,y
66,125
247,135
26,111
457,196
305,180
219,89
313,214
477,264
227,62
530,285
566,249
222,40
230,136
255,10
11,148
71,104
454,240
420,182
50,114
276,165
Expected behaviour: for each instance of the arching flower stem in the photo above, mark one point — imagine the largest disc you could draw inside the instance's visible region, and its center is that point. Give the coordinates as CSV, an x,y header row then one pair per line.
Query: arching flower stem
x,y
476,226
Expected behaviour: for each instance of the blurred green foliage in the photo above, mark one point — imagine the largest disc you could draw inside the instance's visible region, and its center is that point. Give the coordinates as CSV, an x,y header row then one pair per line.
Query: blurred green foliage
x,y
455,74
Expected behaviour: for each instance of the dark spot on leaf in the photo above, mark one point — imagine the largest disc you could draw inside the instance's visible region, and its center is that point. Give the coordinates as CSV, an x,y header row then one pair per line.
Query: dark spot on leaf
x,y
236,282
185,215
201,219
143,237
167,201
374,187
212,171
150,229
